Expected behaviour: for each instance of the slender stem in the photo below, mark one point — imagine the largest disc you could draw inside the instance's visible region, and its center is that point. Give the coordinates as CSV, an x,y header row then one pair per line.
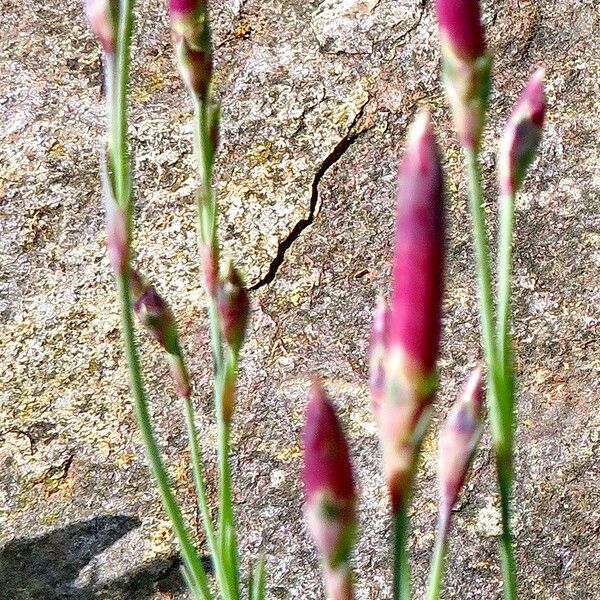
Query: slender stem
x,y
499,379
207,213
401,564
485,296
189,554
203,498
504,470
507,207
117,98
436,571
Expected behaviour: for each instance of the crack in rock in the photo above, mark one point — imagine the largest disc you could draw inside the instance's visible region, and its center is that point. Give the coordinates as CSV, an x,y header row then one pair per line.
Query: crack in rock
x,y
333,157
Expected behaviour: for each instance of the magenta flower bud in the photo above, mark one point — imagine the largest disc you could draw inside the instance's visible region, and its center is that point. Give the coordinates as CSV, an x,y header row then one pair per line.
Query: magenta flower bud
x,y
460,27
378,349
328,480
186,10
195,67
116,236
458,440
522,135
418,267
233,304
102,17
412,340
466,66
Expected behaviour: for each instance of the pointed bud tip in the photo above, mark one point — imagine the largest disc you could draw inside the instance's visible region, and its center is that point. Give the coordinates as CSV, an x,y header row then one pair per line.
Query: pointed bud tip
x,y
473,390
461,28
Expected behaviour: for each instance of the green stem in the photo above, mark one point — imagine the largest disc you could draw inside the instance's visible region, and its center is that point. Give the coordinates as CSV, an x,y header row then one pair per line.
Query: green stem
x,y
484,281
203,498
117,78
189,554
401,564
207,213
509,570
507,207
436,571
499,379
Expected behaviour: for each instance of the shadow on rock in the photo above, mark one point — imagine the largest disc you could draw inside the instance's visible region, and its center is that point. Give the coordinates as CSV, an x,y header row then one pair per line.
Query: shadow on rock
x,y
46,567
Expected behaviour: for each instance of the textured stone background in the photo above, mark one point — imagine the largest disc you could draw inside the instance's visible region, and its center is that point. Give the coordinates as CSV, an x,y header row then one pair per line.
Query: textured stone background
x,y
317,97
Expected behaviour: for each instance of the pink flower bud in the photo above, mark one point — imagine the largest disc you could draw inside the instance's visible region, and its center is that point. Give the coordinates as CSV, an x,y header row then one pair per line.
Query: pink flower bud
x,y
460,27
153,312
234,307
466,67
403,398
458,440
378,350
328,480
522,135
418,267
191,31
102,16
210,268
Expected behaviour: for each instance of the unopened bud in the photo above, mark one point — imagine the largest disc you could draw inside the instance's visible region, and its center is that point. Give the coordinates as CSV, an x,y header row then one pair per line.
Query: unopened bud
x,y
458,440
117,234
234,307
191,31
157,319
328,480
228,388
153,312
466,66
414,323
102,16
208,261
522,135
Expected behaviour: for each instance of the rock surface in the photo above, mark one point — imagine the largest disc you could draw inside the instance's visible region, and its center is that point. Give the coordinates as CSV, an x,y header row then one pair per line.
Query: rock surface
x,y
317,97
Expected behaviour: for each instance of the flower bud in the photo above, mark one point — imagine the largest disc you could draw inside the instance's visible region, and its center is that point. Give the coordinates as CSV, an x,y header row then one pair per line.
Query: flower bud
x,y
117,230
458,440
102,16
191,32
157,319
234,307
378,350
522,135
210,269
153,312
328,480
466,66
418,263
460,27
414,322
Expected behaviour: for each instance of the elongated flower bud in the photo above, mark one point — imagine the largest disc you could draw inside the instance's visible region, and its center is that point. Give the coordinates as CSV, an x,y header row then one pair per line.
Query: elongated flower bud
x,y
458,440
234,307
414,329
378,350
328,480
102,16
522,135
418,267
156,317
191,32
466,66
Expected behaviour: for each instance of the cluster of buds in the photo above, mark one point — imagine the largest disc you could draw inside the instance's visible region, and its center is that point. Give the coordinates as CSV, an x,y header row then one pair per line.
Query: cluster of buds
x,y
405,338
192,37
466,66
458,441
157,318
233,305
103,16
329,492
522,135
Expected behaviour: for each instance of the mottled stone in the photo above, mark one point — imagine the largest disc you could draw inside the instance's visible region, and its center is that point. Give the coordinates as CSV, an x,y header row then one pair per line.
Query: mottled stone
x,y
316,100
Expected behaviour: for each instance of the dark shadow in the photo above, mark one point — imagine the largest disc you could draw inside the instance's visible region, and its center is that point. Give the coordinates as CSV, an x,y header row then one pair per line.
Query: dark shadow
x,y
46,567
